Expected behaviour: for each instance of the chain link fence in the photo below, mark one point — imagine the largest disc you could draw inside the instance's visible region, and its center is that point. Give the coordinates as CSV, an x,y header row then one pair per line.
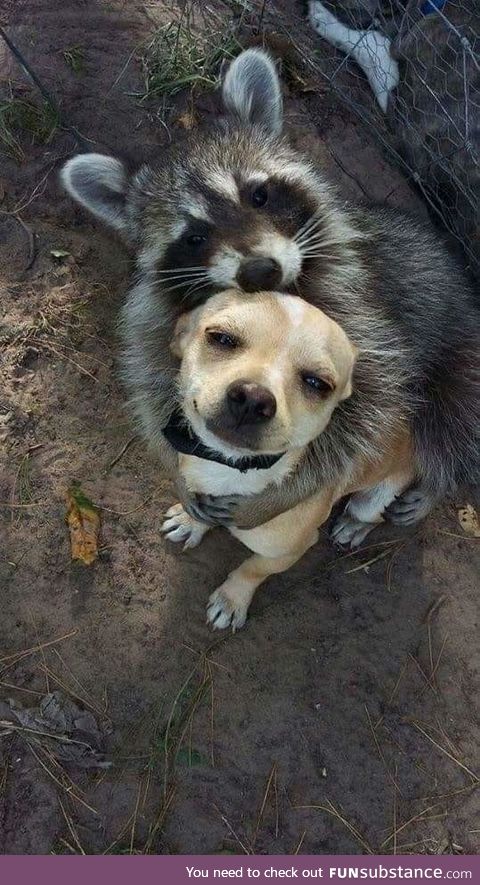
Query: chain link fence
x,y
422,59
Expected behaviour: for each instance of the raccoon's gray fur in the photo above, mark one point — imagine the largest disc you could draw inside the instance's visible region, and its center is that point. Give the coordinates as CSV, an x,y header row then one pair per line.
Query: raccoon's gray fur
x,y
386,278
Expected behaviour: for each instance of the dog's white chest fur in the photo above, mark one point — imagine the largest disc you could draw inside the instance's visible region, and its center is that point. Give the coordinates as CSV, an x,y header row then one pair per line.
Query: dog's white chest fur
x,y
211,478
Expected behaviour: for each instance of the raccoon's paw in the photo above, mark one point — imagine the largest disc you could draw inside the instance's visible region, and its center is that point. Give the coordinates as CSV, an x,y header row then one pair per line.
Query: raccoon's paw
x,y
225,609
410,507
179,526
350,532
212,509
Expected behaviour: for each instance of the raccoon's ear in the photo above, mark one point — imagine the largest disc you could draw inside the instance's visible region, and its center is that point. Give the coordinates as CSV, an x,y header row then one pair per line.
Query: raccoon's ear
x,y
99,183
251,90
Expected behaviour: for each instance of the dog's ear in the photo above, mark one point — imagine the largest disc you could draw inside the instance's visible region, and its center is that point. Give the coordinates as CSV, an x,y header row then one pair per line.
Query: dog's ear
x,y
354,352
251,91
99,183
181,333
348,389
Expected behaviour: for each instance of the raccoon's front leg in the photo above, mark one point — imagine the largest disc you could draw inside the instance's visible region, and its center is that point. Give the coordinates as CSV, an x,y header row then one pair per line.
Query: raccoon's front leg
x,y
251,511
212,510
180,526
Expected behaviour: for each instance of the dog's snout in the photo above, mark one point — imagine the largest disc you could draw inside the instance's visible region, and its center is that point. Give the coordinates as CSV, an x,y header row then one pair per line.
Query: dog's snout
x,y
250,403
256,274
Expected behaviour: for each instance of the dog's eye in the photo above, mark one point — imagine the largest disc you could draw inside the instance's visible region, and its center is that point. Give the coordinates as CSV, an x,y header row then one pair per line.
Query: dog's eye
x,y
259,196
222,339
318,385
196,240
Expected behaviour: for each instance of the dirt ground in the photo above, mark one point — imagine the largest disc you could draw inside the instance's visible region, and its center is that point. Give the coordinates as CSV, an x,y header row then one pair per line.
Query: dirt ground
x,y
345,717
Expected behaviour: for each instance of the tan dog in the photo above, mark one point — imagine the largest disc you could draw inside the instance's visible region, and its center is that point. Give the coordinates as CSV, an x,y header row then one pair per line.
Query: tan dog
x,y
260,378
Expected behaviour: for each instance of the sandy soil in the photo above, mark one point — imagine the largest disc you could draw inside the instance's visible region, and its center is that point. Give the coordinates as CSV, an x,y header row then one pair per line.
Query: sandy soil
x,y
345,717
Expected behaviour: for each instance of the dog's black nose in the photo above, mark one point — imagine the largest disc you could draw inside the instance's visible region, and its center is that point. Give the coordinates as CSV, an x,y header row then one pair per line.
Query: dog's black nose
x,y
250,403
255,274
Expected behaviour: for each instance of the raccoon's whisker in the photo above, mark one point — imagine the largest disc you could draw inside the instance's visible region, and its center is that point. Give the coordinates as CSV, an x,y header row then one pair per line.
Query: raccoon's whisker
x,y
317,245
307,230
187,273
178,277
169,289
313,221
183,282
335,243
176,286
194,289
199,286
197,282
313,241
310,235
312,248
323,255
170,270
313,232
185,276
186,280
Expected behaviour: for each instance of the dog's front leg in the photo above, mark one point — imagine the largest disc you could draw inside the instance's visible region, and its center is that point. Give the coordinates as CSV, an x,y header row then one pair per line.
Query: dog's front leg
x,y
179,526
228,606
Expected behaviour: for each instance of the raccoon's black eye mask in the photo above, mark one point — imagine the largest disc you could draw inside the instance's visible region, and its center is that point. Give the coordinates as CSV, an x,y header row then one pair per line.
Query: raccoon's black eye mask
x,y
183,439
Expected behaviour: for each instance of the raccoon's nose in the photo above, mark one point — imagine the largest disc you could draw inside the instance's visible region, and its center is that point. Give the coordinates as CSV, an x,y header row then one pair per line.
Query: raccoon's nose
x,y
255,274
250,403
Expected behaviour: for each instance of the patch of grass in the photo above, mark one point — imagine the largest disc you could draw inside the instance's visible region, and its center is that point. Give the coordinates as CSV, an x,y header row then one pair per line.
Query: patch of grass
x,y
22,116
74,58
172,745
180,56
9,143
159,745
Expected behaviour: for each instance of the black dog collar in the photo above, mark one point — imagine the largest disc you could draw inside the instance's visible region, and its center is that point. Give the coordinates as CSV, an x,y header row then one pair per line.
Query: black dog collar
x,y
183,439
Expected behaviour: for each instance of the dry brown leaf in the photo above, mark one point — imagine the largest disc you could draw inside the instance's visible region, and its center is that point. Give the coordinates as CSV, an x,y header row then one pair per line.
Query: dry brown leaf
x,y
83,520
468,519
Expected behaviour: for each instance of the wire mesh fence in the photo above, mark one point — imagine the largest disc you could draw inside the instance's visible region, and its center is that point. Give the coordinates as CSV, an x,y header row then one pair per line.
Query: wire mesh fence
x,y
422,60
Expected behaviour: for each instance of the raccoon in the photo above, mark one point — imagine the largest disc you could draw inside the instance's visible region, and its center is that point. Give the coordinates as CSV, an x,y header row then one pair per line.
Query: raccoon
x,y
236,206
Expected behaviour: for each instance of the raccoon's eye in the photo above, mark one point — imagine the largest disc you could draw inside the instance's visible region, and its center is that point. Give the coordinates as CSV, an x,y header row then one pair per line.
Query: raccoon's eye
x,y
259,196
196,239
221,339
318,385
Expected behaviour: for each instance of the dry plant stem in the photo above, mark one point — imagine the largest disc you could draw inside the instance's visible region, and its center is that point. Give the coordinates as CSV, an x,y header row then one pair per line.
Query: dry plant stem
x,y
270,782
330,808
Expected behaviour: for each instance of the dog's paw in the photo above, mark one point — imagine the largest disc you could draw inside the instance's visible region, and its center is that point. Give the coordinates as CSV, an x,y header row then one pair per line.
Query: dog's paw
x,y
180,527
350,532
224,610
410,507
